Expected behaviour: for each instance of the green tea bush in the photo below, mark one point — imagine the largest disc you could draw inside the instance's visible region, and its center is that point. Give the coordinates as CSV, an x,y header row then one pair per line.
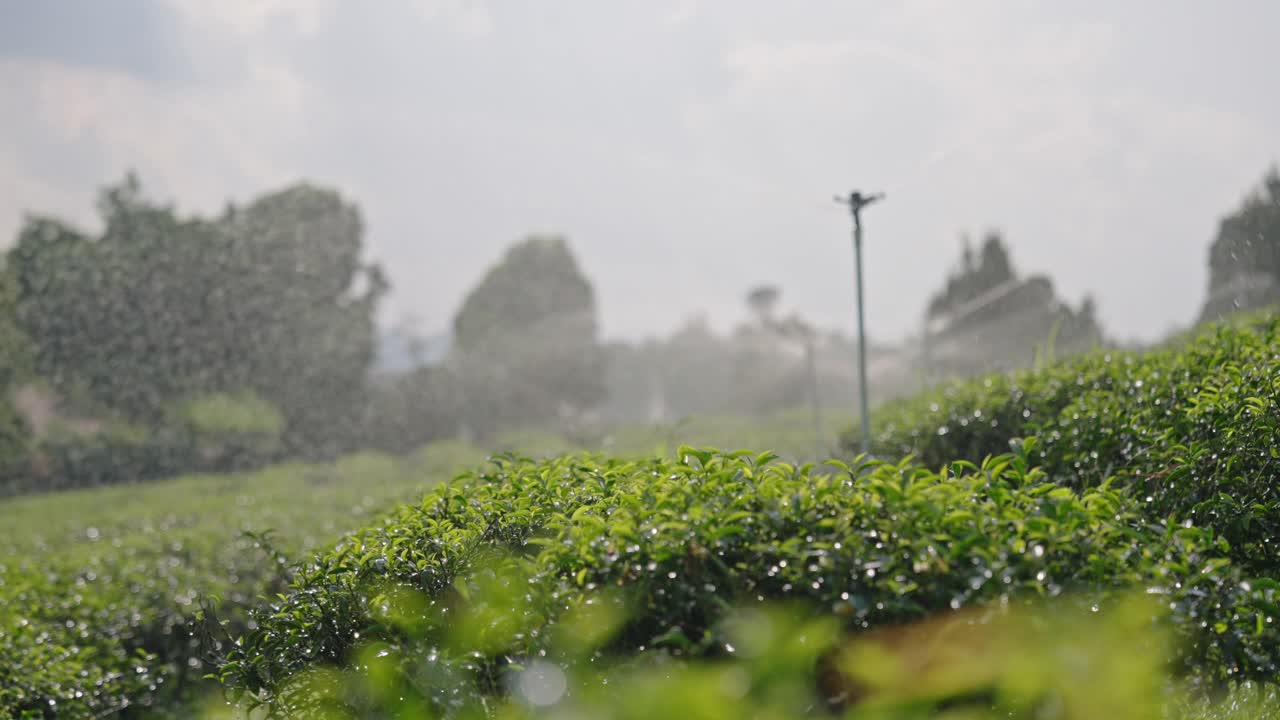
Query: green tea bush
x,y
689,540
115,455
1056,659
210,433
232,432
102,591
1194,430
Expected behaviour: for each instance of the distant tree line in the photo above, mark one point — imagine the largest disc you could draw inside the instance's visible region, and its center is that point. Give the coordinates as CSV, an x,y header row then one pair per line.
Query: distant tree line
x,y
169,343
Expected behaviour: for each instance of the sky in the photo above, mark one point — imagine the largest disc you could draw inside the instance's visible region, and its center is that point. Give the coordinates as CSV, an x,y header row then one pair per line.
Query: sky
x,y
689,150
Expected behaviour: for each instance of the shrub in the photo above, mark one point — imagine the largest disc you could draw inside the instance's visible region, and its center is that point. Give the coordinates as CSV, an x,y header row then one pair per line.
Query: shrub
x,y
1192,429
102,590
232,432
118,453
15,452
1059,659
689,540
410,410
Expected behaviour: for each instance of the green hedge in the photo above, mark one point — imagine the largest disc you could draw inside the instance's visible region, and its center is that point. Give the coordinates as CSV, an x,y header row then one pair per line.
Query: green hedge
x,y
689,540
207,434
101,591
1195,430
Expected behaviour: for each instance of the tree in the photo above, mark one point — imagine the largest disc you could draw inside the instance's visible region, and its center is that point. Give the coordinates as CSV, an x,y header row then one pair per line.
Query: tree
x,y
1244,258
15,366
408,411
305,306
272,299
694,370
972,281
525,340
994,268
108,314
16,354
763,301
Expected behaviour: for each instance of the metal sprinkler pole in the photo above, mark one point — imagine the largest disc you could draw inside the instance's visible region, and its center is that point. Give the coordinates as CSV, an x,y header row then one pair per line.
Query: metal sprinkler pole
x,y
856,201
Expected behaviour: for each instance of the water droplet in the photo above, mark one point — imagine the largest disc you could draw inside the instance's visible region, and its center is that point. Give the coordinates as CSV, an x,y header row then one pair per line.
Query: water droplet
x,y
542,684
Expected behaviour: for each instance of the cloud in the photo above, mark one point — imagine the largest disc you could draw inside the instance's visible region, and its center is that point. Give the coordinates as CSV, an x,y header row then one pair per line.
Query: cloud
x,y
250,18
688,153
681,12
131,36
76,128
468,17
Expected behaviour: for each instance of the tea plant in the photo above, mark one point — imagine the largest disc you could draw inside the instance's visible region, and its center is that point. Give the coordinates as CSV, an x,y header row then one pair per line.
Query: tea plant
x,y
100,590
1058,658
692,539
1194,430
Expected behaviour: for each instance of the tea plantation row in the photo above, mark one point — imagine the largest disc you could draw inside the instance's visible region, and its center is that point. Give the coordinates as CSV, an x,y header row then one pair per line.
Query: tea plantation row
x,y
687,541
1194,431
1158,473
100,589
601,576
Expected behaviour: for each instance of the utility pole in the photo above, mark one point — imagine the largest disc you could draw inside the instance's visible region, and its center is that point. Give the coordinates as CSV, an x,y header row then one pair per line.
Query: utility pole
x,y
856,201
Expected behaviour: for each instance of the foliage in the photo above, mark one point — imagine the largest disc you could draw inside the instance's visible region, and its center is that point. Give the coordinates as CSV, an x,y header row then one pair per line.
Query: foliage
x,y
207,433
16,361
118,452
1191,429
759,370
993,269
789,433
270,298
1060,659
412,409
242,414
1244,259
986,318
691,539
525,340
538,279
101,590
233,431
15,366
15,457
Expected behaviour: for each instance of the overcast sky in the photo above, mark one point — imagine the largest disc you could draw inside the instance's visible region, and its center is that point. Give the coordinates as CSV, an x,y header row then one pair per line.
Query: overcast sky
x,y
689,150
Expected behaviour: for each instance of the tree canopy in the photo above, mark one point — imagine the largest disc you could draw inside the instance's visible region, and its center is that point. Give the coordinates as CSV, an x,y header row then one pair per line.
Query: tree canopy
x,y
272,298
1244,258
525,339
993,269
